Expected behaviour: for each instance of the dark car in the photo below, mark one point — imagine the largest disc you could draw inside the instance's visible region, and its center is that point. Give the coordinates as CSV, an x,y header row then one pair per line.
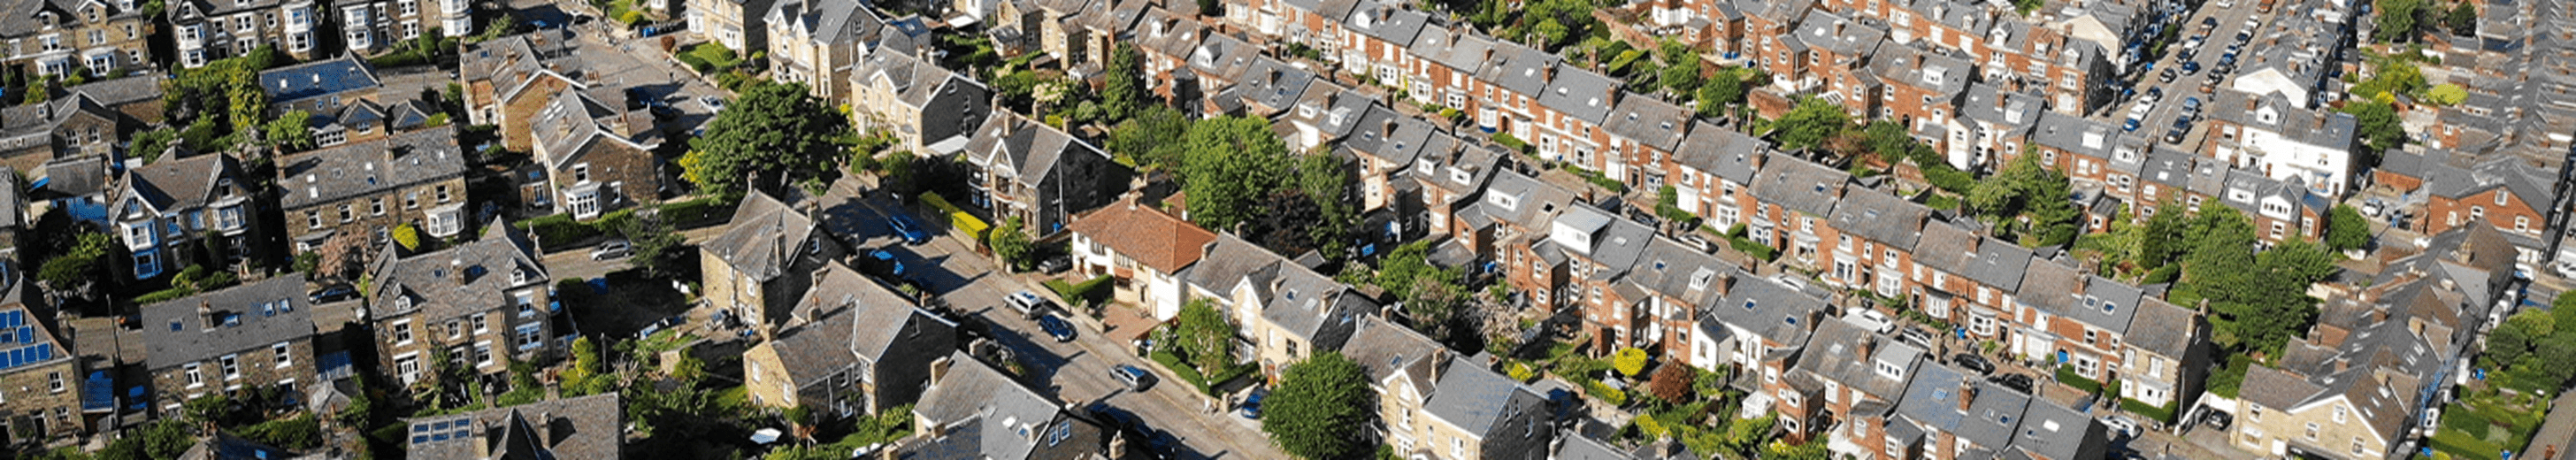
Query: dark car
x,y
2130,125
1114,416
2155,94
1973,362
2191,68
2017,382
2166,76
334,292
2191,105
883,260
2209,22
1134,377
1055,265
2174,136
2217,419
1252,404
1056,327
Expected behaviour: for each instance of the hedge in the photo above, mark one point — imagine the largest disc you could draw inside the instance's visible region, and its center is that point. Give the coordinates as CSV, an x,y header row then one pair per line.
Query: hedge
x,y
2066,374
2163,413
2464,446
1089,292
1173,362
683,213
957,218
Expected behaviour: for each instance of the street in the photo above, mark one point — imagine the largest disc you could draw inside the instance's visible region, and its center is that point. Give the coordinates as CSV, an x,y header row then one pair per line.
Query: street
x,y
2160,117
1076,372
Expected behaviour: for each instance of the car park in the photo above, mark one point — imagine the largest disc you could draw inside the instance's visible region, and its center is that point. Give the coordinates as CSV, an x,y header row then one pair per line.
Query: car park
x,y
1972,362
1056,327
613,249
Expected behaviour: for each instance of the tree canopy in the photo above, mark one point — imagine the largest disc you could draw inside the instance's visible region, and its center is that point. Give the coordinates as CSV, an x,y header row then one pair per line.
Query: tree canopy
x,y
1431,294
773,130
2346,229
2396,20
1206,336
1321,409
1230,165
1809,124
1123,83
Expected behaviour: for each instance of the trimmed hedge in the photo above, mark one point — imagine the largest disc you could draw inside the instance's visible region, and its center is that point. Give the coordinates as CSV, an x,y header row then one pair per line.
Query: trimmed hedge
x,y
2066,374
1092,292
2163,413
957,218
683,213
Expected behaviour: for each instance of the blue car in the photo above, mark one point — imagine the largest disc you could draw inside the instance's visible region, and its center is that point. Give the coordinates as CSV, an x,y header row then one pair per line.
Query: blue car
x,y
2130,125
1056,327
1252,404
906,228
886,259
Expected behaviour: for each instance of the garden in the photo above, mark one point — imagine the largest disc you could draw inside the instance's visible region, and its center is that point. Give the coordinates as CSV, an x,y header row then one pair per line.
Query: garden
x,y
2486,422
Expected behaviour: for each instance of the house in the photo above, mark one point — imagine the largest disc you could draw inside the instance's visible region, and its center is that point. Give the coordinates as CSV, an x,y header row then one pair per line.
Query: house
x,y
77,185
1847,379
765,260
2505,193
60,38
811,41
1644,133
854,347
320,87
1949,414
1593,249
164,209
508,80
734,24
33,134
974,411
2275,136
244,338
1713,172
1451,180
595,151
475,300
139,97
1673,281
2169,355
1872,235
378,27
1403,369
1572,109
1505,221
39,396
1287,311
1098,32
584,427
1477,413
1039,175
1760,324
1384,144
2077,319
1993,122
1145,249
416,178
929,109
1794,198
223,445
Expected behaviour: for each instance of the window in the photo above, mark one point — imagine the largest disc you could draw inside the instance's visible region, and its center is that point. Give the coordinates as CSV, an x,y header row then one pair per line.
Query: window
x,y
2339,413
2502,196
1457,448
2312,431
313,219
232,366
284,358
455,329
480,326
408,366
54,382
411,200
195,378
528,336
482,353
376,207
402,330
442,194
345,214
527,304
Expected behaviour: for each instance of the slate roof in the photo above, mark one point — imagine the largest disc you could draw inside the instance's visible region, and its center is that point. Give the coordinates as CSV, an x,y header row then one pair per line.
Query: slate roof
x,y
1946,247
1684,273
1939,74
1521,201
317,78
1523,71
1159,241
1487,404
1802,186
1579,447
225,446
180,183
1273,85
1999,264
2049,430
588,427
1768,308
1843,353
1313,307
1845,38
1462,50
1385,22
121,91
260,314
827,21
1881,217
1648,121
364,168
1726,153
2013,113
2162,328
990,415
1385,348
576,119
2532,184
1026,151
1223,56
1228,261
1580,94
764,237
1390,136
2106,304
438,289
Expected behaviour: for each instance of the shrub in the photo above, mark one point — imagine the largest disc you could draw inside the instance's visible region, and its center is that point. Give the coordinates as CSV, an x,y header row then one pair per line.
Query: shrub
x,y
1628,361
957,218
1605,393
408,236
1521,372
2066,374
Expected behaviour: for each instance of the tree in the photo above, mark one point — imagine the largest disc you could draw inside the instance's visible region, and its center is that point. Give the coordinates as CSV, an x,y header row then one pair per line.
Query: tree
x,y
2346,230
1628,361
1671,383
150,144
2446,94
1682,72
1808,125
2380,128
583,377
2510,341
1429,292
1206,336
2463,19
654,246
1123,86
773,130
1151,139
1231,163
1326,181
76,272
1012,244
2054,219
292,132
2397,20
1718,92
1321,408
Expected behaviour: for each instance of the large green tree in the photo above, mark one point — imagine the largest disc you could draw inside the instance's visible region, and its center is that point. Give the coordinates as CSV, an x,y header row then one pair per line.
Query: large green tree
x,y
292,132
2380,128
657,248
1809,124
2397,20
1321,409
1719,92
1206,336
1151,139
1229,166
1123,83
2463,19
2346,229
775,132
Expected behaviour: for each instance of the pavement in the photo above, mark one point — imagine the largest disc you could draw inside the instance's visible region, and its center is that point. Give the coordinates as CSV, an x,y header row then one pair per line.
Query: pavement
x,y
1077,371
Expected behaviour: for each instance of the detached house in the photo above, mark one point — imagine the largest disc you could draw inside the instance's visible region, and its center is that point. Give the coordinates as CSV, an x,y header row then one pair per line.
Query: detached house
x,y
163,209
1038,174
369,188
813,41
734,24
33,134
584,427
1286,310
975,411
594,151
475,300
1145,249
853,346
508,80
243,338
765,260
931,110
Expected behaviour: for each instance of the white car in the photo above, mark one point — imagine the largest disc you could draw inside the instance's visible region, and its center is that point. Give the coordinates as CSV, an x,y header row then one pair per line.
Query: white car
x,y
1028,303
1869,319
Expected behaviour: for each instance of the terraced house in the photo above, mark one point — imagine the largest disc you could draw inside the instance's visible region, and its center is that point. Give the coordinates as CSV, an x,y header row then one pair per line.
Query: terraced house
x,y
469,304
208,30
171,213
244,338
63,37
369,188
40,379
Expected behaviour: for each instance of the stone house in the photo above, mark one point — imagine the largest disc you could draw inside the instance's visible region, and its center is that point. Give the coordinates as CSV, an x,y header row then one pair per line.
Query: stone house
x,y
163,209
40,379
852,346
765,260
2168,355
929,109
33,134
1285,310
1038,174
584,427
509,79
595,149
59,38
811,42
473,302
416,178
734,24
968,399
243,338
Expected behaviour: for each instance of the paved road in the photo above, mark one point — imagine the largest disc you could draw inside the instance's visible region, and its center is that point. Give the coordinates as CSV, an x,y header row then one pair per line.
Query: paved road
x,y
1076,372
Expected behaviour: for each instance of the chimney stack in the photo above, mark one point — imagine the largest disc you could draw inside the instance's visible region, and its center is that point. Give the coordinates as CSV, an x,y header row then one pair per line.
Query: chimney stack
x,y
1967,395
206,313
1867,345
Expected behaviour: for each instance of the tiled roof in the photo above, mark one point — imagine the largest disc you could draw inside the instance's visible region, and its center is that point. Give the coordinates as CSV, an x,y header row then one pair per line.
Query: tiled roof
x,y
247,317
393,163
588,427
1159,241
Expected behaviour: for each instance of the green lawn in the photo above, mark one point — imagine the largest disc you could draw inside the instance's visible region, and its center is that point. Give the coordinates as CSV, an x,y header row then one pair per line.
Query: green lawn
x,y
2483,424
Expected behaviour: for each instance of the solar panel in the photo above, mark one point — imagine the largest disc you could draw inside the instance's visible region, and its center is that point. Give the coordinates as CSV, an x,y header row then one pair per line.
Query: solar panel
x,y
26,334
45,351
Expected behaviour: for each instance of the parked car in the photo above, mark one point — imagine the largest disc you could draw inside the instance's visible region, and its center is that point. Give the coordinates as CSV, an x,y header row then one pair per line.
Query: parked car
x,y
2166,76
1972,362
2191,105
885,261
1028,303
1117,418
2121,425
2217,419
1055,265
1870,319
2190,68
714,104
613,249
1252,404
334,292
906,228
2155,94
1918,336
2129,125
1134,377
2017,382
1056,327
2209,23
2174,136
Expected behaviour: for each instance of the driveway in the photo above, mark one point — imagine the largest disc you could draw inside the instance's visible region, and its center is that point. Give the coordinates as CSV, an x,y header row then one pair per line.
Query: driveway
x,y
1076,372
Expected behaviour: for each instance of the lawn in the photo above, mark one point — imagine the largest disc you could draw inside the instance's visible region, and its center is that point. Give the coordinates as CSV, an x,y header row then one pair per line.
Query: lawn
x,y
709,57
1173,362
2485,423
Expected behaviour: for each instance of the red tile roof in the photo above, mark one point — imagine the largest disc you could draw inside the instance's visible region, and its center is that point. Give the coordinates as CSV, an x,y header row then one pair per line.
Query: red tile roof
x,y
1153,238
